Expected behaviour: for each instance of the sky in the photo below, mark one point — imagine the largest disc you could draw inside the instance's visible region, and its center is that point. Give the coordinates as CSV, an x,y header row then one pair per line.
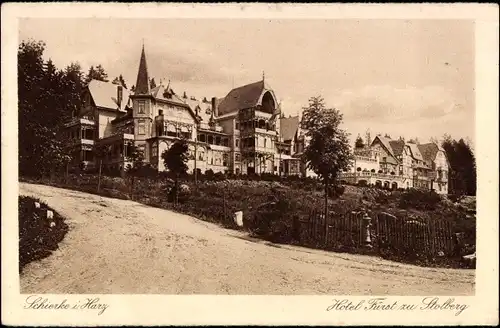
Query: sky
x,y
410,78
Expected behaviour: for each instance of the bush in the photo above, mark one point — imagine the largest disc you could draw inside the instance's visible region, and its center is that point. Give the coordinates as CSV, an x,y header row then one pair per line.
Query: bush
x,y
209,174
336,191
219,176
419,199
274,220
455,197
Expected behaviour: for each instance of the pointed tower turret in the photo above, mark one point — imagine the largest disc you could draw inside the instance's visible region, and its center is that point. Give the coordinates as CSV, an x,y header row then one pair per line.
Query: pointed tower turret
x,y
142,84
144,110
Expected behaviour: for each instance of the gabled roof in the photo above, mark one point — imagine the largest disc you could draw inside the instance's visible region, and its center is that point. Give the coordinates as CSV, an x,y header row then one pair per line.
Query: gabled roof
x,y
246,96
202,108
429,151
386,143
105,95
159,91
415,152
397,146
288,127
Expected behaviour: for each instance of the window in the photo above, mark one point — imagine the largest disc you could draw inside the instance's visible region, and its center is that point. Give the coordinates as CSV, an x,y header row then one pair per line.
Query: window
x,y
237,126
141,127
265,142
201,156
88,155
237,157
237,142
142,106
225,159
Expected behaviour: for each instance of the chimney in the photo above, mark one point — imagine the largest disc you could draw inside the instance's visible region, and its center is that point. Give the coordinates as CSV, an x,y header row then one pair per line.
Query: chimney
x,y
215,109
119,96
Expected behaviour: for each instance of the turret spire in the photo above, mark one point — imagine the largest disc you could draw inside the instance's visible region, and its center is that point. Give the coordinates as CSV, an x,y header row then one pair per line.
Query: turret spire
x,y
142,86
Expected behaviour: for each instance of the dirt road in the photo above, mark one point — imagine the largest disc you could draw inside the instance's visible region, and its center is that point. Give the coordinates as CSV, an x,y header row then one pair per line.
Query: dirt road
x,y
117,246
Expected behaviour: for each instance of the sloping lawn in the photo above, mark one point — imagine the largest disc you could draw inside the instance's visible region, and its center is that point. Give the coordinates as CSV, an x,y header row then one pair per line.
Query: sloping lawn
x,y
38,238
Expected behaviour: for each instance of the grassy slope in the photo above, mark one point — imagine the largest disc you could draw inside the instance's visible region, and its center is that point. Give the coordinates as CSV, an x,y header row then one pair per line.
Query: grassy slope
x,y
216,201
37,239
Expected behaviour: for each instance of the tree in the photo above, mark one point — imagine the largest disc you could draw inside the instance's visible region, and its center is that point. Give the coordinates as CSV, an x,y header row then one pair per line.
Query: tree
x,y
97,73
328,151
359,144
136,156
43,108
74,79
414,141
101,151
462,175
175,159
152,83
132,88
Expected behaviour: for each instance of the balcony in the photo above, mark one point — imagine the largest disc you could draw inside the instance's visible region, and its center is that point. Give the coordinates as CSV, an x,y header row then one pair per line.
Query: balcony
x,y
87,142
365,158
263,149
265,131
128,136
373,176
80,121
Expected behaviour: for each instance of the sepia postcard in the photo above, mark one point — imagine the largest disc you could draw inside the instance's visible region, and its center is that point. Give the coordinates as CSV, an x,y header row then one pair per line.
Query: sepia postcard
x,y
249,164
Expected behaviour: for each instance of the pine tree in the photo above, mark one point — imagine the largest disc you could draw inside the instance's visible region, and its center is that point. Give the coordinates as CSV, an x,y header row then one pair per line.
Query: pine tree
x,y
152,83
462,175
359,144
47,96
97,73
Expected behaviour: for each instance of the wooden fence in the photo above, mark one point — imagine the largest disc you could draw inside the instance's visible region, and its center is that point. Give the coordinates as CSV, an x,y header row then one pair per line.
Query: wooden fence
x,y
402,236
